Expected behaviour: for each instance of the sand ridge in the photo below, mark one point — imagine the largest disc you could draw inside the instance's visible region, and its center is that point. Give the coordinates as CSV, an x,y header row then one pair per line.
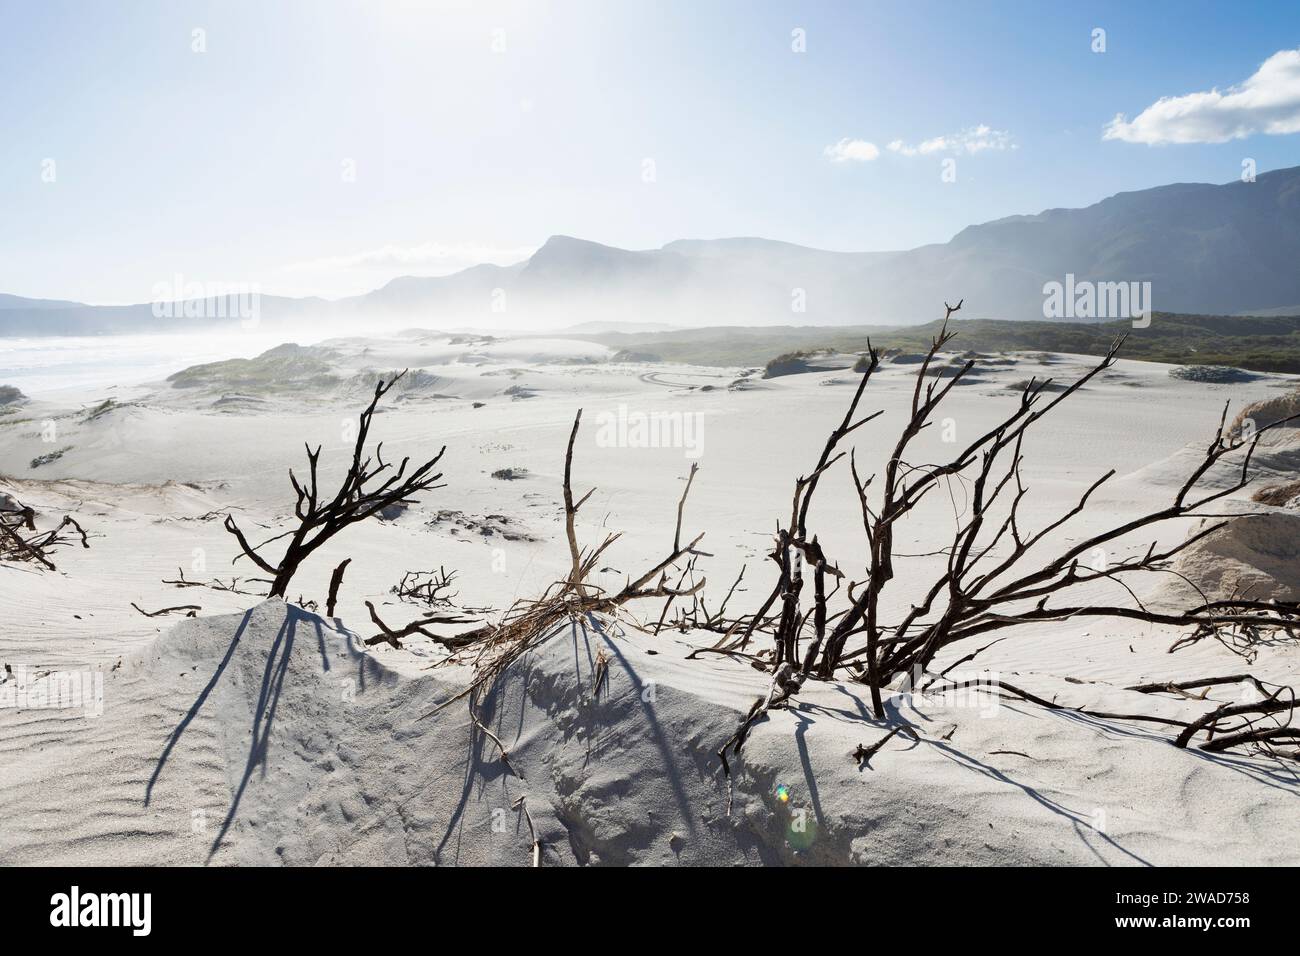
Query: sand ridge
x,y
272,737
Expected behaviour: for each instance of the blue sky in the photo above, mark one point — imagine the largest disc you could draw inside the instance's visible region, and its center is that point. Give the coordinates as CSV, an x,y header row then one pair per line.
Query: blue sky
x,y
325,147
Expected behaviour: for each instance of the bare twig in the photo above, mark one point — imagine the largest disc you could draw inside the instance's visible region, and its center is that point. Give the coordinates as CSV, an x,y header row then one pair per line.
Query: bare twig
x,y
864,754
190,608
522,804
358,497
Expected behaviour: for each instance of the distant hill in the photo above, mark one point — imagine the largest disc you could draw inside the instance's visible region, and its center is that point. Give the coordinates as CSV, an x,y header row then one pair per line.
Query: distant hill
x,y
1228,249
33,305
1205,249
572,281
44,317
1262,344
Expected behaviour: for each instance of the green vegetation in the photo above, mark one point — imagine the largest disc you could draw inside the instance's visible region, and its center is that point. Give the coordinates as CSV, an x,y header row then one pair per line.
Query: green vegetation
x,y
100,410
791,363
1213,374
50,456
285,368
631,355
1259,343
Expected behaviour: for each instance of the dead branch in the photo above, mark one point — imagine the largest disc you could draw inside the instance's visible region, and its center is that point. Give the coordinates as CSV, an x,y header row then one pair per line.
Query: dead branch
x,y
357,498
785,682
216,584
191,609
1242,638
431,588
1010,690
21,542
487,732
388,635
336,580
997,575
1253,725
571,510
1180,688
863,754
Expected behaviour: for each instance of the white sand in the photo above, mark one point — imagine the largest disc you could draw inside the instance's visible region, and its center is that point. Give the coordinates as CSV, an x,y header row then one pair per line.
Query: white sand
x,y
349,774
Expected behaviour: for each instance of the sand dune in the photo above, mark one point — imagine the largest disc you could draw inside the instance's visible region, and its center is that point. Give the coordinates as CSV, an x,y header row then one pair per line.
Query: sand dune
x,y
271,736
260,732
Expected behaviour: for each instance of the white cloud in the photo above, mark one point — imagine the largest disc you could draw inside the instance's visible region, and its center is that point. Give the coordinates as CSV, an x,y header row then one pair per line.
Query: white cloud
x,y
1268,102
975,139
437,257
852,151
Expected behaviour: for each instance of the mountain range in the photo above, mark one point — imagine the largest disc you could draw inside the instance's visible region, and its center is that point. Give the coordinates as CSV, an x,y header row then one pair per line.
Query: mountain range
x,y
1209,249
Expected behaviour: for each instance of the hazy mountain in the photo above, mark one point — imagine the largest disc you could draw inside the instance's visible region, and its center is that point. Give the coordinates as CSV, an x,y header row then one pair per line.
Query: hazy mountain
x,y
31,317
35,305
572,281
1205,249
1233,248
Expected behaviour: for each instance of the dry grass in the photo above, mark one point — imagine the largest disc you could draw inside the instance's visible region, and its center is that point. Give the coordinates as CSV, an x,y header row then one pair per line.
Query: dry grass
x,y
1277,495
1266,412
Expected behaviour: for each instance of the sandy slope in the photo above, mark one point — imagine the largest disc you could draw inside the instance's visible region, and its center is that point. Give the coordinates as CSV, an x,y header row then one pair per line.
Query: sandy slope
x,y
270,736
314,749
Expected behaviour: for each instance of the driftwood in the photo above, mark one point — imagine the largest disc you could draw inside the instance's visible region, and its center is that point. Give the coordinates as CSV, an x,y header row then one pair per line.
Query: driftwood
x,y
1242,638
784,683
1264,723
356,499
863,754
393,637
189,609
431,588
22,543
216,584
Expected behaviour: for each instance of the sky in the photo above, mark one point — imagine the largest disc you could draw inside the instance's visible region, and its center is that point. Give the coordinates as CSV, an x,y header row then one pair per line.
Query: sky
x,y
323,147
